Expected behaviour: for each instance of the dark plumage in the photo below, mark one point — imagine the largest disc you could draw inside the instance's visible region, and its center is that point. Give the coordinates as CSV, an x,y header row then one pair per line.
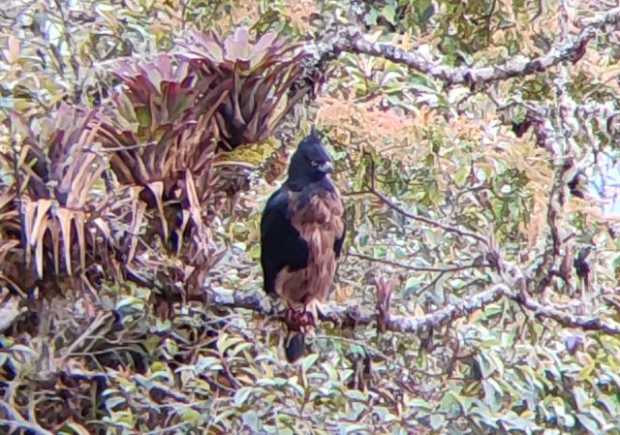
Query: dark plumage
x,y
302,231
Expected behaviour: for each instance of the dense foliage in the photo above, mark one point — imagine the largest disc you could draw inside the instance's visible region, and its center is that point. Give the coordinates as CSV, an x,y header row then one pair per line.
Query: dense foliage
x,y
476,149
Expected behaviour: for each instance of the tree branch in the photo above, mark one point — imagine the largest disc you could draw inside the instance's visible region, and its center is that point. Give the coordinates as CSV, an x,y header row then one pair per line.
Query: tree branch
x,y
13,419
572,50
256,301
565,318
447,314
611,17
353,316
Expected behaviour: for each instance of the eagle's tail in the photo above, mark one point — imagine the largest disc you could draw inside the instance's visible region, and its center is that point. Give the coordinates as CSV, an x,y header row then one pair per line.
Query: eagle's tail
x,y
299,324
295,345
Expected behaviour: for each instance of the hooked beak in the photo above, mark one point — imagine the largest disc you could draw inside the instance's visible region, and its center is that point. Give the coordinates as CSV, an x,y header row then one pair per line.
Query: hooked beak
x,y
326,167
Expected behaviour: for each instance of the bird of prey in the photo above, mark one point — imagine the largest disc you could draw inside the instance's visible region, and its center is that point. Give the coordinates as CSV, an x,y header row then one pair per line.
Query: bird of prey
x,y
302,231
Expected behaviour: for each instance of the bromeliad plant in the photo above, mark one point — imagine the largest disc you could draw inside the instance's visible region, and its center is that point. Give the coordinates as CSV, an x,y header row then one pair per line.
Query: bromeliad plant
x,y
52,213
260,74
159,134
153,142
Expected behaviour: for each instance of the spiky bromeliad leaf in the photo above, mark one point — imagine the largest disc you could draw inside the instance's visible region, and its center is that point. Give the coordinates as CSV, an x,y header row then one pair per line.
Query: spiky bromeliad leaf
x,y
161,138
159,122
261,74
59,166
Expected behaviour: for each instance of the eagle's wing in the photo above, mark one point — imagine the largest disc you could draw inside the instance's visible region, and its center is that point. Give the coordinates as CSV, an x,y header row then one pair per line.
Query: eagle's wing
x,y
281,243
340,240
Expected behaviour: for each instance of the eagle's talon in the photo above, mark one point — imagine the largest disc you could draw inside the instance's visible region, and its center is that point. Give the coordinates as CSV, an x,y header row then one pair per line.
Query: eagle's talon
x,y
291,319
307,319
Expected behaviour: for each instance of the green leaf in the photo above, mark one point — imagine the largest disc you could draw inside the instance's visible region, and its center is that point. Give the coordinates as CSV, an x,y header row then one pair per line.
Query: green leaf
x,y
353,428
371,17
191,416
77,428
254,252
357,395
512,421
589,423
208,363
581,398
419,405
437,421
309,361
242,395
486,365
250,418
389,13
461,174
492,393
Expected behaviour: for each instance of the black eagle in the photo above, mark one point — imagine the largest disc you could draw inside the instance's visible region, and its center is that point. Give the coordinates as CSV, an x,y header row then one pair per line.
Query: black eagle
x,y
302,230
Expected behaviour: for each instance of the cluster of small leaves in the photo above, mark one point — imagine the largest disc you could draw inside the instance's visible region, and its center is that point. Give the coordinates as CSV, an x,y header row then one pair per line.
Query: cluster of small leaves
x,y
256,75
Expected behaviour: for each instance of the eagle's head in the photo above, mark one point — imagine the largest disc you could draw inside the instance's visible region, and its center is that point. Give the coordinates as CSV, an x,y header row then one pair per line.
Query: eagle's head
x,y
310,163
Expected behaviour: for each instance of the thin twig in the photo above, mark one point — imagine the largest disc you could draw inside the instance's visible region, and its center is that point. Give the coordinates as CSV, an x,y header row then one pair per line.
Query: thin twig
x,y
75,65
445,227
97,322
416,268
15,419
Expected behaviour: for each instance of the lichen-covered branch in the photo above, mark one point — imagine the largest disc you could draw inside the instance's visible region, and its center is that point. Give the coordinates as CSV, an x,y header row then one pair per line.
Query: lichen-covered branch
x,y
353,316
571,50
566,318
447,314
